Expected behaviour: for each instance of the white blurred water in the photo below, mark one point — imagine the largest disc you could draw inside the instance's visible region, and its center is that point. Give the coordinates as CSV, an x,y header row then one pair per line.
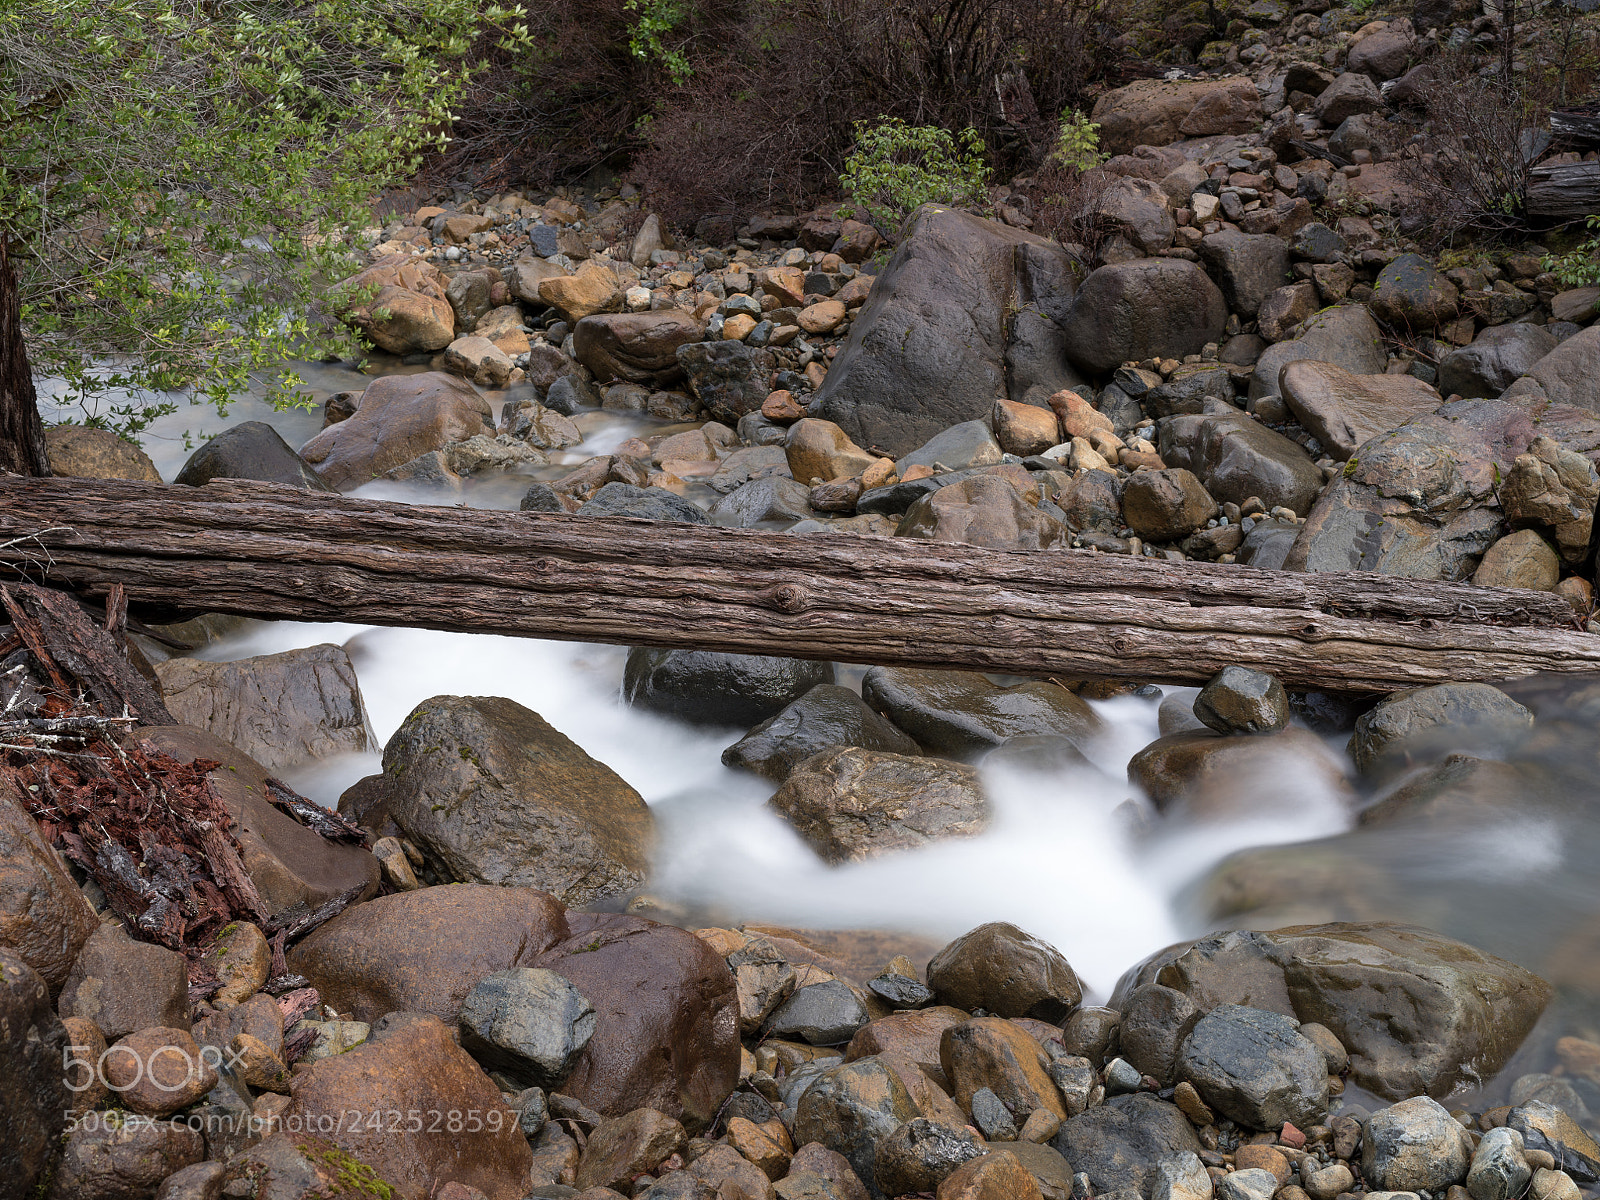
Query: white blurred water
x,y
1065,857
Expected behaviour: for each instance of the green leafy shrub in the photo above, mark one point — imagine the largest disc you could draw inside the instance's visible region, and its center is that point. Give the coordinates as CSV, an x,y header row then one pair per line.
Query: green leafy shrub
x,y
181,181
654,21
1579,267
1078,143
896,168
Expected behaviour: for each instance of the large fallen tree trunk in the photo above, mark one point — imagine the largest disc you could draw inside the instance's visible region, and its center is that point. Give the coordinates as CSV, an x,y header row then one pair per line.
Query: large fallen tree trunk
x,y
268,551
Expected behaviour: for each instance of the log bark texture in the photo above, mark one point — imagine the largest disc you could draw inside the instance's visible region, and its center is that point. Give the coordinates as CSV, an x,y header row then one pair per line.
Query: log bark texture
x,y
22,447
278,552
1566,192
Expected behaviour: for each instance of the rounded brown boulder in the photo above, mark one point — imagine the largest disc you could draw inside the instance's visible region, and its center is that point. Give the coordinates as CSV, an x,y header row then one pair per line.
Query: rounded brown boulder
x,y
33,1086
1006,971
157,1071
637,347
667,1034
423,951
44,919
428,1115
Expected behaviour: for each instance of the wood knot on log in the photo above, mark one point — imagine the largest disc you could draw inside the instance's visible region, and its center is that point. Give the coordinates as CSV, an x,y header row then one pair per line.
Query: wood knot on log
x,y
789,597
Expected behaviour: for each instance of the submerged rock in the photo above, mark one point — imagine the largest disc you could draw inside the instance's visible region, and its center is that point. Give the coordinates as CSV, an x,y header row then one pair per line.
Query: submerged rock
x,y
962,714
706,687
826,716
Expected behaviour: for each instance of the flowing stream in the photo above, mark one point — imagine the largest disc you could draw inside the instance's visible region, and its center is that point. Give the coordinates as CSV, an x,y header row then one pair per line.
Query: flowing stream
x,y
1066,857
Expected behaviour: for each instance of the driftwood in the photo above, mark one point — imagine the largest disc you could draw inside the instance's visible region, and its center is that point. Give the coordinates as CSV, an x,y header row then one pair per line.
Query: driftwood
x,y
1577,129
277,552
1567,192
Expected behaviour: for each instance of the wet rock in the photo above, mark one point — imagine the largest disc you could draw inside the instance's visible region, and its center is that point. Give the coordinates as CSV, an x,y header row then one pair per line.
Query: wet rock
x,y
636,347
412,1063
1024,429
158,1071
34,1094
479,360
929,348
913,1035
822,1014
850,804
110,1156
962,714
1417,1012
202,1181
826,716
1343,410
79,452
1148,308
401,417
1345,336
44,918
723,1170
1498,1170
1163,506
1155,1022
1414,1145
1497,358
729,378
1519,560
712,688
407,314
423,951
617,499
1252,1183
489,792
250,450
1411,294
919,1155
998,1175
1158,112
280,709
1119,1144
763,501
1006,971
1205,775
1182,1177
1240,700
1254,1067
528,1023
850,1109
123,985
1553,1130
983,511
816,1162
629,1146
1091,1031
1247,266
1422,723
667,1029
995,1054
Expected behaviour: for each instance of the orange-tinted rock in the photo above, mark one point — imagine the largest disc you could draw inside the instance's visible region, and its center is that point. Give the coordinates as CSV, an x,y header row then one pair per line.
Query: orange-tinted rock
x,y
991,1052
633,1144
413,1065
399,302
157,1071
915,1034
401,418
123,985
84,453
423,951
44,919
996,1176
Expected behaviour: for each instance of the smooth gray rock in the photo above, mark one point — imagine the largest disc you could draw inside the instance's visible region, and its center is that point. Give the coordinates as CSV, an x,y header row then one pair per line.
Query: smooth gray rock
x,y
969,444
1237,457
1496,359
1119,1144
1253,1066
1247,266
1420,723
1155,1022
1240,700
618,499
1151,307
763,501
707,687
527,1022
823,1014
1498,1170
1346,336
826,716
962,714
992,1117
1253,1183
250,450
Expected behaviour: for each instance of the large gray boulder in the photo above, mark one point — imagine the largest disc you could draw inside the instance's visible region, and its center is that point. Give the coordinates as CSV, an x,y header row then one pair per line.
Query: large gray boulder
x,y
1496,359
1566,375
1120,1143
930,347
1237,457
1419,501
637,347
1346,336
1147,308
1419,1013
962,714
490,793
1247,266
826,716
250,450
1253,1066
708,687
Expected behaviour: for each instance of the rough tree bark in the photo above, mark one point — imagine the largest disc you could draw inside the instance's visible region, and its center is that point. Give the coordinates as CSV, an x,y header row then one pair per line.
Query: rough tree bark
x,y
22,449
267,551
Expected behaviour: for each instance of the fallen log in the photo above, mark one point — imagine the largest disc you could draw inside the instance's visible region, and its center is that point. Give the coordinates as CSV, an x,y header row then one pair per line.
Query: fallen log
x,y
276,552
1565,192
